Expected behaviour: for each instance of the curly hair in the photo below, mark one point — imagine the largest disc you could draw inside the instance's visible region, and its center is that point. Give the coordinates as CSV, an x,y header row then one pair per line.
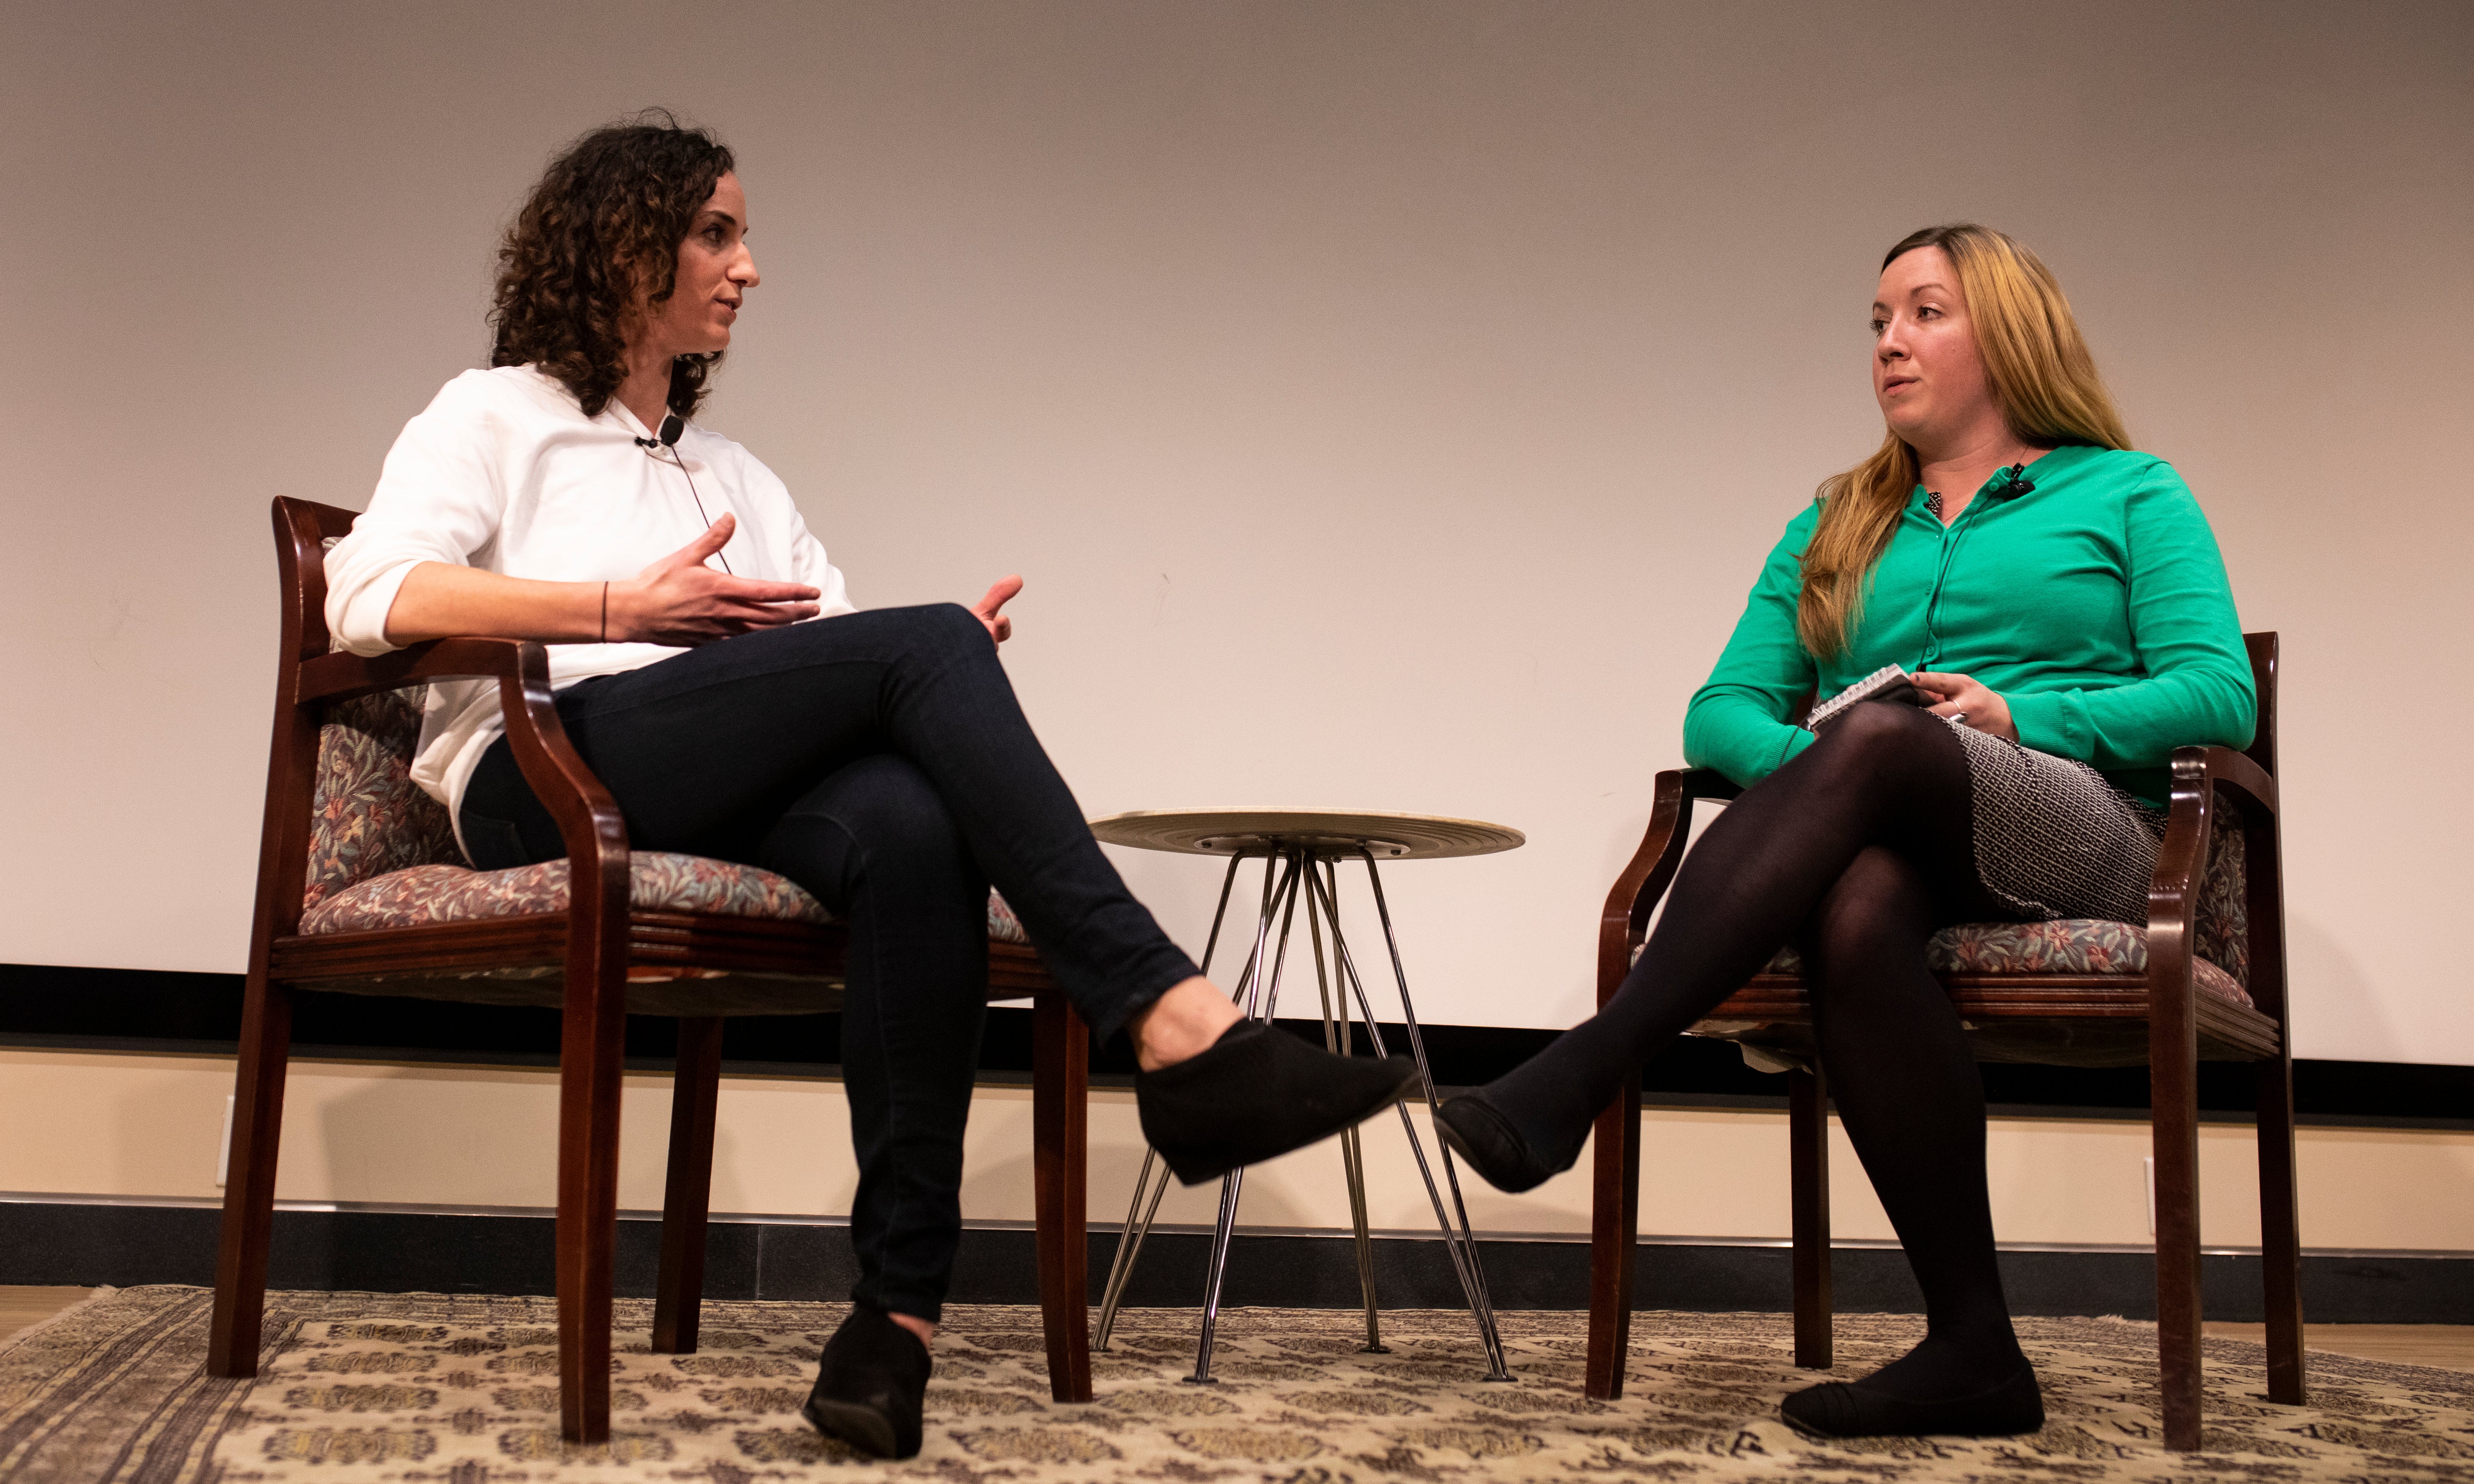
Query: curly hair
x,y
605,219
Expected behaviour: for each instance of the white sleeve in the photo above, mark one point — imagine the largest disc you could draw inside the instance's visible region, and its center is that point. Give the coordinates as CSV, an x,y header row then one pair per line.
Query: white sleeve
x,y
439,500
809,563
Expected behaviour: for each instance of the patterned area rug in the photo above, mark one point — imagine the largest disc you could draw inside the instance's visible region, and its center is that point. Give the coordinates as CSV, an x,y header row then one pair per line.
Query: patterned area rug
x,y
461,1390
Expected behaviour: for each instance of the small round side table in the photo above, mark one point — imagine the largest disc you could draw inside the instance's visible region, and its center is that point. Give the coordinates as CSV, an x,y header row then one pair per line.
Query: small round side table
x,y
1302,851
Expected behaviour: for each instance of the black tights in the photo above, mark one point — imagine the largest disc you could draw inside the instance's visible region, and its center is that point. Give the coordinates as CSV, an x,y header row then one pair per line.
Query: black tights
x,y
1855,851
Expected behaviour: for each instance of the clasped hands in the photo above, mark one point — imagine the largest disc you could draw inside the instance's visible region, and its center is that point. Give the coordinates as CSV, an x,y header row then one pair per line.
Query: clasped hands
x,y
1969,700
680,600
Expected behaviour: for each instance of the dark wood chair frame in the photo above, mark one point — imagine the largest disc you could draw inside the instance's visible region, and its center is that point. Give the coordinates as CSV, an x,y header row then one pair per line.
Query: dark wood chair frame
x,y
2182,1023
597,940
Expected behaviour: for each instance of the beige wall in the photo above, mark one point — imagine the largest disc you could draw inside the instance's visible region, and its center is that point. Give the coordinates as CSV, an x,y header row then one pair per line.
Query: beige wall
x,y
1387,402
150,1125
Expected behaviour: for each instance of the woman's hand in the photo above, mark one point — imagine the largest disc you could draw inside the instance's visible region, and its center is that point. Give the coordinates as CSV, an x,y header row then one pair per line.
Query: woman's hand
x,y
1962,697
679,600
999,593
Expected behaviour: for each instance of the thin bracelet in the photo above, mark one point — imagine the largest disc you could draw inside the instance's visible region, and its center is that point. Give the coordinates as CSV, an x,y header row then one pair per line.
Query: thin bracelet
x,y
605,613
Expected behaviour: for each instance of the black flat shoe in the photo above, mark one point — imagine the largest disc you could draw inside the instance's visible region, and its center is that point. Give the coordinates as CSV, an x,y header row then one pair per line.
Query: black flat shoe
x,y
1842,1409
870,1384
1487,1142
1256,1094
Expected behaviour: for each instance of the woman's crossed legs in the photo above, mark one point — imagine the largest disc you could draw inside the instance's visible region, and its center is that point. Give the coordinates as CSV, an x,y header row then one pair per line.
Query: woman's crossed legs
x,y
880,759
1857,851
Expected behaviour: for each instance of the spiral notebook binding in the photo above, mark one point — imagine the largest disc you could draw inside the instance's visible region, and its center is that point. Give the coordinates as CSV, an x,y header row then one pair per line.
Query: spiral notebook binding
x,y
1864,689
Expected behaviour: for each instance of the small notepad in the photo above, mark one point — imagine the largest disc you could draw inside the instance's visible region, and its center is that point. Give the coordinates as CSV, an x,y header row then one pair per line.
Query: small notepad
x,y
1889,683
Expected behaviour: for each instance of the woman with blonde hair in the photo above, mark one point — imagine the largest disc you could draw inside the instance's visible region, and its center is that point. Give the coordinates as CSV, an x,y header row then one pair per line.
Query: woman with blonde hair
x,y
2062,604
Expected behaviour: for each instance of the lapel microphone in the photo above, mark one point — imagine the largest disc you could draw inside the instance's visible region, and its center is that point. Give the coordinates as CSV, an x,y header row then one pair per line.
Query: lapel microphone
x,y
2020,483
666,438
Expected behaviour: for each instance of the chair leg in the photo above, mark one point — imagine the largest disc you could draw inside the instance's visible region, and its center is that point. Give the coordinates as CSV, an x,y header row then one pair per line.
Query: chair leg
x,y
2174,1109
1615,1235
1060,1159
2280,1233
687,1198
1807,1117
591,1043
249,1184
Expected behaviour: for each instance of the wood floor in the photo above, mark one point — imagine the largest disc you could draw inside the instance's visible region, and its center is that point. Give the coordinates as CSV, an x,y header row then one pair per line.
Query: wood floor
x,y
2447,1345
22,1307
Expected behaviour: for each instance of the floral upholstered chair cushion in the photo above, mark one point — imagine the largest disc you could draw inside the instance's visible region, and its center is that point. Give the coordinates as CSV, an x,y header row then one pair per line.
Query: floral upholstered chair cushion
x,y
660,882
2081,945
2065,945
382,854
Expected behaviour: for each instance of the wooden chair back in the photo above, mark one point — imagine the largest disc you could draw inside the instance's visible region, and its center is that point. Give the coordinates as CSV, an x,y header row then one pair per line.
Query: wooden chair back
x,y
2262,651
303,531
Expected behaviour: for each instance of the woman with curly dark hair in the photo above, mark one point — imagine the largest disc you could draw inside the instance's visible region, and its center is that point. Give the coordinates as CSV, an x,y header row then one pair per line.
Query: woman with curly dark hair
x,y
714,675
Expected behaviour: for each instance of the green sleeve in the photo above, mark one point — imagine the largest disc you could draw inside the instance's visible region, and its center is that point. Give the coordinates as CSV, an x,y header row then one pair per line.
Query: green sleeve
x,y
2187,637
1735,722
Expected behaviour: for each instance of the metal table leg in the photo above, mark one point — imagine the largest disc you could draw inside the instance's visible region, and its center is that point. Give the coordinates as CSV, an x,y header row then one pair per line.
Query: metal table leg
x,y
1288,872
1260,1003
1336,1040
1458,1239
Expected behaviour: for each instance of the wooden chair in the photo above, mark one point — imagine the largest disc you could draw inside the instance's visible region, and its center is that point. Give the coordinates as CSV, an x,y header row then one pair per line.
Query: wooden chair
x,y
360,889
2203,979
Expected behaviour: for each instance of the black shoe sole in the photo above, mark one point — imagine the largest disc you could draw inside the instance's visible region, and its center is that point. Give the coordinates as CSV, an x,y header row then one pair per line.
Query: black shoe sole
x,y
863,1427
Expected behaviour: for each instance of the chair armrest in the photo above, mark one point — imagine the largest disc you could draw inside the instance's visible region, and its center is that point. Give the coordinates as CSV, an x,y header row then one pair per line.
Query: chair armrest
x,y
2250,784
2199,775
589,822
2203,778
340,676
1652,868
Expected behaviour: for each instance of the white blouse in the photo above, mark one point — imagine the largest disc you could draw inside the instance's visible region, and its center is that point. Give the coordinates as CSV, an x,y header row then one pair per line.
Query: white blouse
x,y
504,472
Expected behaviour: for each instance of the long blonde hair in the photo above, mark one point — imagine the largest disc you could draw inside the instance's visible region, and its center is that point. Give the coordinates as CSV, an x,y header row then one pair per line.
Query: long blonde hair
x,y
2042,375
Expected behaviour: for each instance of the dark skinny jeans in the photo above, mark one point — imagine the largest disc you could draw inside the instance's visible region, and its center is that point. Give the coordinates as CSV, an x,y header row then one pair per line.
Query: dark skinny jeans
x,y
881,761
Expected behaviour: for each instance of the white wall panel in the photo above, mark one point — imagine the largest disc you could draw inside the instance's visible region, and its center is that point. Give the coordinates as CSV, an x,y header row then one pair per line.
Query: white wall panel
x,y
1388,403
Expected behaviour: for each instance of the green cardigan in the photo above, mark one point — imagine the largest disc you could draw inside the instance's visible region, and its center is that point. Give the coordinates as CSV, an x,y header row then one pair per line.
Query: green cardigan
x,y
2096,605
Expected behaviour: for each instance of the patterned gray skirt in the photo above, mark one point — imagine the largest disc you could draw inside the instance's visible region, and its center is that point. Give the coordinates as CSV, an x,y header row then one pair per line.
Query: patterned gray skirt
x,y
2055,838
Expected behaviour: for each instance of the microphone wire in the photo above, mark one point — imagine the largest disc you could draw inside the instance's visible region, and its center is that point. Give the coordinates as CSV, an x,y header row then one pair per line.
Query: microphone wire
x,y
671,427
